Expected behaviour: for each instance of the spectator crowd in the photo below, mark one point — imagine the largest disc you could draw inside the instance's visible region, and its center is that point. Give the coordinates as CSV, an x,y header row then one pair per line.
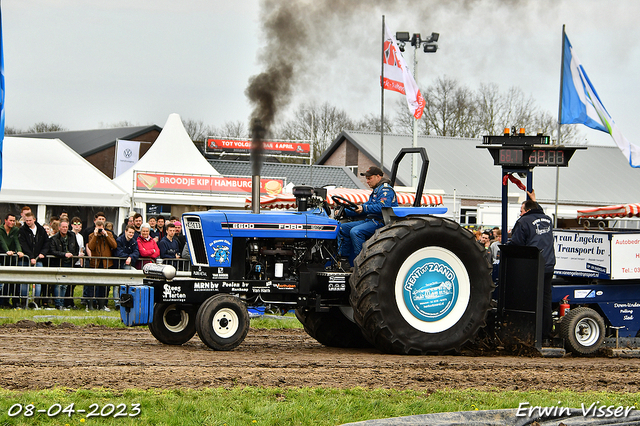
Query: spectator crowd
x,y
64,243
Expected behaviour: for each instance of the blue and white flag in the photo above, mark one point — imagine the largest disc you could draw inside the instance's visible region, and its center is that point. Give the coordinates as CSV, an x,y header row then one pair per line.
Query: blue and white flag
x,y
1,99
581,104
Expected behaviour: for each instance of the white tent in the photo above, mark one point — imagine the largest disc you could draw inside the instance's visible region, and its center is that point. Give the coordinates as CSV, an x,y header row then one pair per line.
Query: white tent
x,y
174,152
48,172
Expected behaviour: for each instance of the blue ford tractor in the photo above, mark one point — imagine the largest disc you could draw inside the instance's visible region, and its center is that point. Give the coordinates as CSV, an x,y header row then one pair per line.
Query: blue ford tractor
x,y
420,285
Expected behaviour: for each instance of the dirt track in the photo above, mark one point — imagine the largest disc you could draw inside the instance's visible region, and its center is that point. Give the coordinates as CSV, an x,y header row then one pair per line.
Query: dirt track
x,y
42,357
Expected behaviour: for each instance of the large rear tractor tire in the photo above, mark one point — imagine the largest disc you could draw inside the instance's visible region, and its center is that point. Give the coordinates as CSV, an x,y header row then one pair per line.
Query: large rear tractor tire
x,y
173,324
583,331
222,322
421,285
333,328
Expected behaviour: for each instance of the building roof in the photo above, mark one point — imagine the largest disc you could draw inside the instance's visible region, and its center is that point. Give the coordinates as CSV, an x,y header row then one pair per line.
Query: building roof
x,y
298,174
598,175
87,142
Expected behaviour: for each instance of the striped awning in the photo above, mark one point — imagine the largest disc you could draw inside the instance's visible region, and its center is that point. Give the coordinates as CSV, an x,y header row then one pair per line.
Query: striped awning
x,y
278,201
362,195
620,210
288,201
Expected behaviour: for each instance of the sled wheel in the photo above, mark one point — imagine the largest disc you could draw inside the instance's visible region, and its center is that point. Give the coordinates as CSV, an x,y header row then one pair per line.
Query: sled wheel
x,y
222,322
173,324
583,331
421,285
333,328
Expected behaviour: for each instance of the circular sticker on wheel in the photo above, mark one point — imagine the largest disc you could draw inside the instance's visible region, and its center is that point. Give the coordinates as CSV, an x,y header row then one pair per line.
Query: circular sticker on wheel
x,y
432,289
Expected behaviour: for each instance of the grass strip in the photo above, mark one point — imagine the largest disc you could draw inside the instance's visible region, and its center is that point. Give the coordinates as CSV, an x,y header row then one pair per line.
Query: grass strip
x,y
272,406
81,317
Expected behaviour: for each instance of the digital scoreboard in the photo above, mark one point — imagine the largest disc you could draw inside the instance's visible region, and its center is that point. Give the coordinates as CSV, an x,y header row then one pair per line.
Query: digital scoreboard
x,y
527,151
517,153
534,156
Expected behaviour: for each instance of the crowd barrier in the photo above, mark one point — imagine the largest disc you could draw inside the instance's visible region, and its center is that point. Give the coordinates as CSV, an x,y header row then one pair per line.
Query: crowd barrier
x,y
51,285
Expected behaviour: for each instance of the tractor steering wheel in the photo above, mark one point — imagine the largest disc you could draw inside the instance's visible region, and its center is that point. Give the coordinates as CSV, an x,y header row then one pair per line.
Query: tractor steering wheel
x,y
342,204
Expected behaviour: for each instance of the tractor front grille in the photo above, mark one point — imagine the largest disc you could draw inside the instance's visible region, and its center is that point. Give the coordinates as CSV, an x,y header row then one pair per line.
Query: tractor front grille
x,y
197,246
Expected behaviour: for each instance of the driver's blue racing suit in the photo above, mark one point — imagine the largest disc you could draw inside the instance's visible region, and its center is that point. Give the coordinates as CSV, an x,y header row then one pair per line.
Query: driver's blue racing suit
x,y
354,234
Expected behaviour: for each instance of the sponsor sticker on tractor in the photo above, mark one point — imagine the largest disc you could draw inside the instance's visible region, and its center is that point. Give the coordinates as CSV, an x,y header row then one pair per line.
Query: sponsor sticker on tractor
x,y
220,252
430,289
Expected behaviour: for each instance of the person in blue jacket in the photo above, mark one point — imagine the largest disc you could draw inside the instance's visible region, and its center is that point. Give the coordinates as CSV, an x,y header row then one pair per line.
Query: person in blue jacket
x,y
354,234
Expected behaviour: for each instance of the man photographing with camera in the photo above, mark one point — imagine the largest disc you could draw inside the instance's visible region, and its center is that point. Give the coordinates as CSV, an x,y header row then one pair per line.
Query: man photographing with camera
x,y
101,242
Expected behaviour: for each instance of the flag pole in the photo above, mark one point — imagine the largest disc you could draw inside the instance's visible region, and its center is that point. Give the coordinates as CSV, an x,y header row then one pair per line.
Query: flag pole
x,y
555,218
382,101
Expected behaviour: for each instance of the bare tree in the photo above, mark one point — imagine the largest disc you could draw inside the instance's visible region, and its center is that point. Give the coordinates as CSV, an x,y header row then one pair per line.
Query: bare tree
x,y
547,124
8,130
404,119
449,108
230,129
489,117
570,134
454,110
371,123
464,111
117,124
496,111
43,127
235,129
319,124
196,130
519,111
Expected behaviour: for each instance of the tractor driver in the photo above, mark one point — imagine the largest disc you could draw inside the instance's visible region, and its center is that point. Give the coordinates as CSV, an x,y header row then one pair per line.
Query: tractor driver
x,y
354,234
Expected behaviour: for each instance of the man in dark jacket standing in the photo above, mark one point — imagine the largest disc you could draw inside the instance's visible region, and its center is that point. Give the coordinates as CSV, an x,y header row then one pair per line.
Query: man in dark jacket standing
x,y
534,228
127,248
9,245
63,246
169,247
35,244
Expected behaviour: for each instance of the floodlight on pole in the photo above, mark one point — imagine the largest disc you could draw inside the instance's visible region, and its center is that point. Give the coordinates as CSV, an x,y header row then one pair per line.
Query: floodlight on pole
x,y
429,46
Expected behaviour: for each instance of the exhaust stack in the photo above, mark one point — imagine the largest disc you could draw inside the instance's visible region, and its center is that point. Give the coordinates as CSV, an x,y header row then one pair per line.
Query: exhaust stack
x,y
258,132
255,194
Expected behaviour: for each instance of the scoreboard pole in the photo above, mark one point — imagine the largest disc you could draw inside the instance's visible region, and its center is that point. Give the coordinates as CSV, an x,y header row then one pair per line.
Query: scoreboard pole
x,y
505,209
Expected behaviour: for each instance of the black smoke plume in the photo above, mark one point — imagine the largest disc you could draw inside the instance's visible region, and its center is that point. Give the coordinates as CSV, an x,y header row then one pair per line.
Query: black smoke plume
x,y
270,90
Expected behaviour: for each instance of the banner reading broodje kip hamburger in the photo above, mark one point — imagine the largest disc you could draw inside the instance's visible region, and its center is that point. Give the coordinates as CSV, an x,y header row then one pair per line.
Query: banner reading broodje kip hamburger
x,y
164,182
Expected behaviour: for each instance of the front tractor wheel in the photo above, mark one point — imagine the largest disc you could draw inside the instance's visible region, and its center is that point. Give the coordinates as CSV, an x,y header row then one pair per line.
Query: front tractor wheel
x,y
222,322
173,324
333,328
420,286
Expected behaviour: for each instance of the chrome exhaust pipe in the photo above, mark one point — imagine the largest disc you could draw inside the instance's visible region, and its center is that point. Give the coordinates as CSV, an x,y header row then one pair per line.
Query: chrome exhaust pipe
x,y
255,194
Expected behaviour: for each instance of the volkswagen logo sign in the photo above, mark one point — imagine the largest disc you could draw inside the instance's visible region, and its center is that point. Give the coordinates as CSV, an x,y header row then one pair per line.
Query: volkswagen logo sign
x,y
127,153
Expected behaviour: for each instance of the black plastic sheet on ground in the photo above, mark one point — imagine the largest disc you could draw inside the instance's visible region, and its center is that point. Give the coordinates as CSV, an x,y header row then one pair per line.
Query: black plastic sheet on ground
x,y
568,417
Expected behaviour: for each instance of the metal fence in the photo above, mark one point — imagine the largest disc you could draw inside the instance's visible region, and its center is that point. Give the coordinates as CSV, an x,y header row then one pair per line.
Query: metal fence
x,y
55,283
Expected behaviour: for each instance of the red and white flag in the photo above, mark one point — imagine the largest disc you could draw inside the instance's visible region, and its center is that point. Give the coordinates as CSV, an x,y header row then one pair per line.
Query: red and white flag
x,y
397,76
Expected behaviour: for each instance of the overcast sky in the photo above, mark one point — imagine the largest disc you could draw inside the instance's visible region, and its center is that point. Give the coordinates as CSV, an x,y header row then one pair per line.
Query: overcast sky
x,y
84,64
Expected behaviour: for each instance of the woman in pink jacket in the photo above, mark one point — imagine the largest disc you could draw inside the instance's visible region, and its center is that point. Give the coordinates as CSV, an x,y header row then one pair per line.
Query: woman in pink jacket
x,y
147,246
